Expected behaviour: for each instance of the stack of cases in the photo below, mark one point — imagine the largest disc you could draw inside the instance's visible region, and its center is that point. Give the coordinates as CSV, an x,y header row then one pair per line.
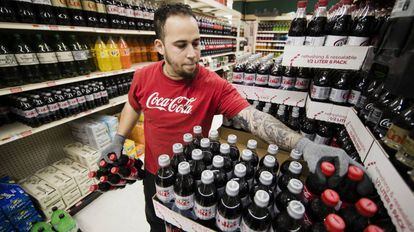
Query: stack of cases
x,y
110,122
83,154
91,132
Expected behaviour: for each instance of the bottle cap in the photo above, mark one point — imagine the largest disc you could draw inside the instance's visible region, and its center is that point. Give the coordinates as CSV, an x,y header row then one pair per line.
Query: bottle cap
x,y
232,138
112,157
268,104
373,228
197,130
188,137
295,167
178,148
184,168
330,197
205,143
218,161
207,177
296,209
355,173
163,160
240,170
334,223
323,3
197,154
261,198
252,144
103,163
295,154
103,179
295,186
213,134
93,188
232,188
224,148
366,207
269,161
327,168
92,174
272,149
115,170
266,178
246,155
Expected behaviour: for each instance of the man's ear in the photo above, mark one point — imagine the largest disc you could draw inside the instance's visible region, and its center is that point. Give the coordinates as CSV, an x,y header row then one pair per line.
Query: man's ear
x,y
159,46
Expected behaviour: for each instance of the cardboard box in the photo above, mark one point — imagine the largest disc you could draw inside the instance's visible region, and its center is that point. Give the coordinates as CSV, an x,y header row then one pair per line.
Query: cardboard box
x,y
78,172
71,196
42,191
82,154
111,122
326,111
91,132
57,179
84,187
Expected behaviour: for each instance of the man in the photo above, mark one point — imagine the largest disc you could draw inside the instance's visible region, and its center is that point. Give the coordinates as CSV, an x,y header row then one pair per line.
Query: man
x,y
177,94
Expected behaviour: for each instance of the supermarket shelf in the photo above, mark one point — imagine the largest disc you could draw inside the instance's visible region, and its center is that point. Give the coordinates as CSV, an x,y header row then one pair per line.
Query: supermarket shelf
x,y
218,36
213,7
277,18
221,67
274,32
272,41
270,50
17,130
221,54
94,75
44,27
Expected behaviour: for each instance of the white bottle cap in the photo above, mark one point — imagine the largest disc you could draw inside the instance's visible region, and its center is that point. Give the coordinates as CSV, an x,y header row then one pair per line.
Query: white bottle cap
x,y
205,142
266,178
218,161
224,148
240,170
197,130
269,161
213,134
261,198
272,149
184,168
295,154
252,144
207,177
232,138
246,155
163,160
268,104
197,154
188,137
178,148
295,167
296,209
232,188
295,186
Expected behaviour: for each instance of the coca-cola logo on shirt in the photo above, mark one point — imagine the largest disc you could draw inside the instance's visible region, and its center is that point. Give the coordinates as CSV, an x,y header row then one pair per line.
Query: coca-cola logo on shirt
x,y
181,104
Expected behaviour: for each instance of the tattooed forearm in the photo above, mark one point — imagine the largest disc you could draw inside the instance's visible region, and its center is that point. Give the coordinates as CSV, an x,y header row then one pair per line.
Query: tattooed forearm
x,y
268,128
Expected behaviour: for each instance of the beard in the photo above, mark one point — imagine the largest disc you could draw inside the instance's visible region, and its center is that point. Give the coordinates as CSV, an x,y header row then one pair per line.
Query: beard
x,y
180,71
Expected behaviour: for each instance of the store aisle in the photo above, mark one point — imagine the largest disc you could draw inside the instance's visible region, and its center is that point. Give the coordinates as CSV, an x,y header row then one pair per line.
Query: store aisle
x,y
120,210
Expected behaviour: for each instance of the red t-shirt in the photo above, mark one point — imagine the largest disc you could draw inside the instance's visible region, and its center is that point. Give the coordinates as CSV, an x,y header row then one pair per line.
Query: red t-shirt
x,y
172,108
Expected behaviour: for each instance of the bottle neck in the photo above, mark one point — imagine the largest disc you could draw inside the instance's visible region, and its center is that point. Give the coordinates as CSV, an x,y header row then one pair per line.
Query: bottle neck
x,y
301,13
320,12
345,10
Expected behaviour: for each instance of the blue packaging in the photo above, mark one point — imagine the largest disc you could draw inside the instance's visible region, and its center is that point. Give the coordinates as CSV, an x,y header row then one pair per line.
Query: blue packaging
x,y
6,226
12,198
23,214
26,225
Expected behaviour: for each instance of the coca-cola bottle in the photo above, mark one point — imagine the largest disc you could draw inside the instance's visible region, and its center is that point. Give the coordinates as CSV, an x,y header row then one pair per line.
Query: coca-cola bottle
x,y
293,192
357,217
252,146
64,55
228,164
229,208
197,131
52,106
265,183
240,177
43,113
27,59
294,120
103,187
90,100
44,11
302,79
197,165
178,156
245,159
104,93
83,106
317,182
363,27
47,58
249,74
63,104
257,217
91,11
61,11
291,219
213,135
377,109
272,150
220,177
96,94
184,189
76,12
316,27
347,188
373,94
122,15
28,112
373,228
308,129
269,164
275,76
262,76
323,134
207,154
24,11
205,203
188,145
129,12
359,87
112,11
340,88
101,14
297,30
294,171
7,13
320,87
238,73
79,55
332,223
295,155
338,29
9,71
164,181
139,15
234,151
114,180
289,78
320,208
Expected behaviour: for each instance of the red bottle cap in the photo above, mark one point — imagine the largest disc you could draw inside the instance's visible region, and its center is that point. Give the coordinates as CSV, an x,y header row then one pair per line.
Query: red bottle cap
x,y
323,2
114,170
373,228
327,168
334,223
112,157
355,173
93,188
92,174
102,163
301,4
330,197
103,179
366,207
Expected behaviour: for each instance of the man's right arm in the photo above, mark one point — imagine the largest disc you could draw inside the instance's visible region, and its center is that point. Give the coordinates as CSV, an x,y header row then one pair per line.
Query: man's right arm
x,y
129,118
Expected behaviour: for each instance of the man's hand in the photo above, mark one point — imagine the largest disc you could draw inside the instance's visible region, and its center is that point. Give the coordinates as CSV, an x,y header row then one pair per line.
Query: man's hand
x,y
115,147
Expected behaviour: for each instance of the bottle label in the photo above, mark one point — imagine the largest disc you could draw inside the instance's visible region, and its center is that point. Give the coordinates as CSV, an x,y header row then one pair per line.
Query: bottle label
x,y
53,107
249,78
302,83
114,53
205,212
73,102
89,97
225,224
112,9
238,77
395,136
375,116
165,194
89,5
59,3
64,56
319,92
295,40
43,2
287,82
125,52
42,110
274,81
121,11
138,14
74,4
97,95
81,99
314,41
309,136
80,55
30,113
357,41
151,16
27,59
335,40
245,228
338,95
104,93
100,8
320,139
261,79
354,97
63,104
8,60
47,58
129,13
184,202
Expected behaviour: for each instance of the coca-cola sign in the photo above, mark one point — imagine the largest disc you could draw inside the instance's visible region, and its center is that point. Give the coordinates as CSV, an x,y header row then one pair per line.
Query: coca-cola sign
x,y
181,104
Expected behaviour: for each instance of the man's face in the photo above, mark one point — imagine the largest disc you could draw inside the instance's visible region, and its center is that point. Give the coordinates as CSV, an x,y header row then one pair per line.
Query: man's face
x,y
181,46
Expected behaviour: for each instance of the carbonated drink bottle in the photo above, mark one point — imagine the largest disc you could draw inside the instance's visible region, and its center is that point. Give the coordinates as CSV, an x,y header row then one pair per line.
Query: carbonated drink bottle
x,y
320,87
90,100
269,164
320,208
363,27
205,203
347,189
317,182
125,53
293,192
275,76
357,217
184,190
316,27
245,159
228,164
340,88
207,154
323,134
332,223
229,208
129,12
112,11
129,173
359,86
80,98
164,181
91,55
188,145
61,11
338,30
122,15
27,59
213,135
101,13
249,74
89,6
252,145
104,93
303,78
197,131
234,151
29,113
9,71
291,219
272,150
52,106
47,58
7,13
96,94
197,165
308,129
178,156
294,171
244,188
73,103
238,73
24,11
41,108
294,155
373,228
257,217
262,76
44,11
220,177
64,55
289,78
114,54
76,12
265,183
297,30
102,55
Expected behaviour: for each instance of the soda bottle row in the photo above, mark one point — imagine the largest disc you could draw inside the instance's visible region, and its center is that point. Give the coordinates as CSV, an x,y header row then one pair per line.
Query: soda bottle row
x,y
274,26
47,105
215,26
278,46
267,36
125,14
210,46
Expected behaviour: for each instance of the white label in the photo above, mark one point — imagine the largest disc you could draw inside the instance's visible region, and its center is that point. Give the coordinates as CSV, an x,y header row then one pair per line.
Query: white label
x,y
335,40
261,79
357,41
321,140
53,107
302,83
7,60
44,2
137,14
288,82
81,99
314,41
295,40
63,104
245,228
30,113
338,95
320,93
225,224
184,202
309,136
165,194
73,102
112,9
151,16
79,55
238,77
42,110
27,59
104,93
402,8
64,56
121,11
89,97
249,78
205,212
274,81
354,97
47,58
129,13
97,95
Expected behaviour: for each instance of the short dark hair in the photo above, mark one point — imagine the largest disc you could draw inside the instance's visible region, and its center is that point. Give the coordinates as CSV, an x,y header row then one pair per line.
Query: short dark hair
x,y
165,11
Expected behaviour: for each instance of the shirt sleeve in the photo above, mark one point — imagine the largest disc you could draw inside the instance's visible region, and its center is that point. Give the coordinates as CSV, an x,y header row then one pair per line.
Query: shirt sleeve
x,y
230,101
134,90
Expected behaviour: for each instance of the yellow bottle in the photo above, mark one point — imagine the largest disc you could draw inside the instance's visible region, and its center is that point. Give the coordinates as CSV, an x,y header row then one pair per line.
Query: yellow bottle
x,y
114,54
102,55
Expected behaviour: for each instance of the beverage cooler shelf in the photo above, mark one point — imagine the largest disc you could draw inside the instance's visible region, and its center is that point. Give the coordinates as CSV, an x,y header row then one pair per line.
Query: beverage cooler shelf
x,y
274,32
218,36
278,96
17,130
94,75
269,50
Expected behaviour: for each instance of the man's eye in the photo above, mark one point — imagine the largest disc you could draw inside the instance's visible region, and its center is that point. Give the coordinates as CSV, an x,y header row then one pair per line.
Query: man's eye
x,y
196,44
181,45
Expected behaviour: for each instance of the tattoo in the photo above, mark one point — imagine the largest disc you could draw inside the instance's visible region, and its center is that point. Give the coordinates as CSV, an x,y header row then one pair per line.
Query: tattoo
x,y
268,128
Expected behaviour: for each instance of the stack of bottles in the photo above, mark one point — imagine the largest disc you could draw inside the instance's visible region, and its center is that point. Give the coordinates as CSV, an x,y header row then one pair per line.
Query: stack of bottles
x,y
215,26
274,26
270,36
211,46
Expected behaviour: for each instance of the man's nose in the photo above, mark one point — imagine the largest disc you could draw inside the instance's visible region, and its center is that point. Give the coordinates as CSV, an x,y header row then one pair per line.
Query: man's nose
x,y
191,53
